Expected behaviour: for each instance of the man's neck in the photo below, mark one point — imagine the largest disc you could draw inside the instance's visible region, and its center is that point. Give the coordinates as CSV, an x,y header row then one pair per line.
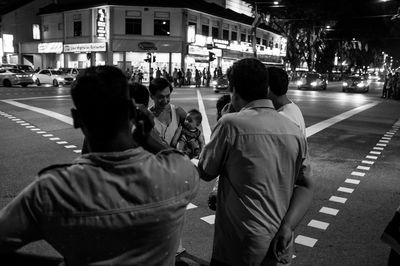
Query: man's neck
x,y
116,143
281,101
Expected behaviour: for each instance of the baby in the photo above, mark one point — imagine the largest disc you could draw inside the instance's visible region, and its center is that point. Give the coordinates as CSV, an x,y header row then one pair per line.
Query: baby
x,y
191,139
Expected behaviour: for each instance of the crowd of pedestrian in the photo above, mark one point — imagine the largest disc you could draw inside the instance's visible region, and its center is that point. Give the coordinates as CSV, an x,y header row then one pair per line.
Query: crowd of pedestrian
x,y
391,86
123,201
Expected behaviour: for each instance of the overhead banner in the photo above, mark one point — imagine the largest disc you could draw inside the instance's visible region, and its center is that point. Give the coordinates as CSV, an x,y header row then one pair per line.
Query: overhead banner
x,y
50,48
85,47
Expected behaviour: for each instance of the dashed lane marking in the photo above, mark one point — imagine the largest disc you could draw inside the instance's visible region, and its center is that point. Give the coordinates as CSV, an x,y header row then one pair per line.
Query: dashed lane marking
x,y
70,146
346,190
305,241
330,211
357,173
378,148
375,152
381,144
352,181
338,199
54,138
367,162
366,168
318,224
371,157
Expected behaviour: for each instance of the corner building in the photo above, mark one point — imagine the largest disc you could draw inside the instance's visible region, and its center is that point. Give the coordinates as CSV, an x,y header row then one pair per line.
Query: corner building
x,y
171,34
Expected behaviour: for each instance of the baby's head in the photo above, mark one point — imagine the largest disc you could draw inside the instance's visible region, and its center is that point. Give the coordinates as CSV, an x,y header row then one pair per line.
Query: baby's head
x,y
193,119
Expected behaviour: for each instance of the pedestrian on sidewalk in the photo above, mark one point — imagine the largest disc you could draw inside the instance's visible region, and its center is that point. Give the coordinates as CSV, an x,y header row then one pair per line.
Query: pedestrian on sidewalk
x,y
119,204
265,187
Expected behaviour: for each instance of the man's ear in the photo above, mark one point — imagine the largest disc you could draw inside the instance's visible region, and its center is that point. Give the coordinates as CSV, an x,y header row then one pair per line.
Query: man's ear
x,y
76,119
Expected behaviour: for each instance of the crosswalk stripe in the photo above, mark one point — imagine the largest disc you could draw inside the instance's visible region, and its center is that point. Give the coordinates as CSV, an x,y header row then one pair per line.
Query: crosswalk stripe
x,y
305,241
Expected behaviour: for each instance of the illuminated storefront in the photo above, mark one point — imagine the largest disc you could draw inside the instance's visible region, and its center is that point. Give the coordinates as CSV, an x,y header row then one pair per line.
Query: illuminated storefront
x,y
82,55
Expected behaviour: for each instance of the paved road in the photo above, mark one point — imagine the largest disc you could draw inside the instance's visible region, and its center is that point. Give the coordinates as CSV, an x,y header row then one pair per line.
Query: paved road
x,y
356,195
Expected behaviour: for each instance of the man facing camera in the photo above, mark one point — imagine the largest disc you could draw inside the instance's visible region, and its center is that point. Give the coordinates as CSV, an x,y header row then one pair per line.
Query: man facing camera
x,y
116,205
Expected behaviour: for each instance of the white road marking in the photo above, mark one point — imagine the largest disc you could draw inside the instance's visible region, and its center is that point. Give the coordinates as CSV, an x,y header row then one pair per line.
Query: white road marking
x,y
367,162
63,118
371,157
35,129
360,167
25,124
386,138
338,199
41,97
20,122
15,119
381,144
209,219
318,224
345,189
204,123
305,241
352,181
330,211
331,121
77,151
41,132
48,135
357,173
375,152
61,142
378,148
190,206
70,146
390,133
30,126
54,138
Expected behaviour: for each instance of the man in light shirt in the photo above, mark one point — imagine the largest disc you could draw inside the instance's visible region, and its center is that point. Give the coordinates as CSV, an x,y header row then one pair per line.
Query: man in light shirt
x,y
278,86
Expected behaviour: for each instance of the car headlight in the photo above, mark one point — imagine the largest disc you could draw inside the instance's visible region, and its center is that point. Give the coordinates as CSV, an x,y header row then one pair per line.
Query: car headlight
x,y
360,85
60,78
34,78
345,84
214,83
314,83
299,83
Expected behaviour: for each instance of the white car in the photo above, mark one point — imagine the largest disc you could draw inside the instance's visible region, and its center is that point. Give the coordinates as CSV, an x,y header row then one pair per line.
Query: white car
x,y
12,76
52,76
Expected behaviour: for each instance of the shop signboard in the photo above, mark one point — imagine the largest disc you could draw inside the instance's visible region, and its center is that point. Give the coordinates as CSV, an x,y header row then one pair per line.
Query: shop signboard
x,y
85,47
50,48
101,23
198,50
8,43
223,44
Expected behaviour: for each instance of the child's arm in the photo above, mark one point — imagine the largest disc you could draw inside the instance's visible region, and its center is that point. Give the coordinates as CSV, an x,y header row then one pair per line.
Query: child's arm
x,y
176,137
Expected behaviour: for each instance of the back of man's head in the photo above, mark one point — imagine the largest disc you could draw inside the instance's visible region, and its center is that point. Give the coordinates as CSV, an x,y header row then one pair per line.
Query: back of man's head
x,y
100,95
278,81
139,93
249,78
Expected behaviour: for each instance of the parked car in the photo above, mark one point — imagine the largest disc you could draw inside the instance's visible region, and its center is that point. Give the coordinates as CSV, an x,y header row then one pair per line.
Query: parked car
x,y
73,72
52,76
312,81
355,83
13,76
220,84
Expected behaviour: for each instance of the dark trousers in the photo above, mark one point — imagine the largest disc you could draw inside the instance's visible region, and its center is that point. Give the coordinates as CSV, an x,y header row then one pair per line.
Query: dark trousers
x,y
215,262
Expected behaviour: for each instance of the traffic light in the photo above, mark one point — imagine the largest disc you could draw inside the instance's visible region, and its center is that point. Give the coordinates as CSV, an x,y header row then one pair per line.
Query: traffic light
x,y
154,58
148,59
211,56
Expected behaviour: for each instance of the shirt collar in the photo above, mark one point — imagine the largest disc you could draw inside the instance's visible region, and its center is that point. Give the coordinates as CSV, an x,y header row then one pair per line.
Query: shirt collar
x,y
262,103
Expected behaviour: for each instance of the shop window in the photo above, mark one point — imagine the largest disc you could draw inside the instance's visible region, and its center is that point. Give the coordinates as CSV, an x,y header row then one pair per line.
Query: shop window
x,y
250,38
161,27
77,28
258,41
193,24
264,42
234,36
243,37
133,26
205,30
225,34
215,32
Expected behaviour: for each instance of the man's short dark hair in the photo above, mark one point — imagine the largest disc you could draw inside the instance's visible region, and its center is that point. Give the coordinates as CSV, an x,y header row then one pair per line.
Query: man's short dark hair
x,y
196,114
100,94
139,93
249,77
158,84
278,80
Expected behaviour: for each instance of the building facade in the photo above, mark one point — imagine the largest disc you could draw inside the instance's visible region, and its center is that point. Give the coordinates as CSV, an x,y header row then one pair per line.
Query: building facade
x,y
182,34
